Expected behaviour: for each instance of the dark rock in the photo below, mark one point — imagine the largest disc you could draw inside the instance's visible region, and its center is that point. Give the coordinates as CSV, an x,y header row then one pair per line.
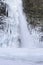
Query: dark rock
x,y
3,9
33,10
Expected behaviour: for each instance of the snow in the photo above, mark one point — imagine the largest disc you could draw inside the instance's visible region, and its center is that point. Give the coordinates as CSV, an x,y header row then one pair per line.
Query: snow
x,y
21,56
16,62
32,55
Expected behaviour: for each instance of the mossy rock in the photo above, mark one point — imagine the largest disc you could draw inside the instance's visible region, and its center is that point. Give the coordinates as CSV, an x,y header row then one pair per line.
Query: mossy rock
x,y
33,7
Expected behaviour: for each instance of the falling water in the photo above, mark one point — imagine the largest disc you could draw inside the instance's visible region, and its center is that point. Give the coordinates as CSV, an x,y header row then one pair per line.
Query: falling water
x,y
27,40
9,36
16,33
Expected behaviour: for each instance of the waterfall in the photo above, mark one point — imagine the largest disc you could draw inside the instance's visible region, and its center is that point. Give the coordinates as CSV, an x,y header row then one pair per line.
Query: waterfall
x,y
17,9
16,33
27,40
9,37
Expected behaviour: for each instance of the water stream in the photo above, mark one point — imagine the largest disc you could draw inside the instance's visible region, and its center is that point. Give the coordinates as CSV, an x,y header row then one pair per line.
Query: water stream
x,y
16,33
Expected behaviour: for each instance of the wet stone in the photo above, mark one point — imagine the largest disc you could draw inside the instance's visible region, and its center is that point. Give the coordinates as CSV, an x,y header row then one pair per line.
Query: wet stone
x,y
3,13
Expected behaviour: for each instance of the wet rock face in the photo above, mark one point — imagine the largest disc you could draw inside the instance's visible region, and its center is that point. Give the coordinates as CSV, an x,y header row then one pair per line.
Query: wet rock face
x,y
3,9
34,12
3,14
33,7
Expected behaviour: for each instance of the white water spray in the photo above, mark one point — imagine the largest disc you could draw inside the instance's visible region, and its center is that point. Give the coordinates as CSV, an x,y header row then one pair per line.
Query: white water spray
x,y
17,23
27,40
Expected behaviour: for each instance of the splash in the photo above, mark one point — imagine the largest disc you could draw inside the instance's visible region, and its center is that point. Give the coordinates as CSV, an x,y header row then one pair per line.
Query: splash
x,y
16,33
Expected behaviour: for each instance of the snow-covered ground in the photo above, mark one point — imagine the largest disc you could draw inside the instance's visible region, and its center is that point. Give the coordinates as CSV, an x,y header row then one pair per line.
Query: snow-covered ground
x,y
21,56
17,62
